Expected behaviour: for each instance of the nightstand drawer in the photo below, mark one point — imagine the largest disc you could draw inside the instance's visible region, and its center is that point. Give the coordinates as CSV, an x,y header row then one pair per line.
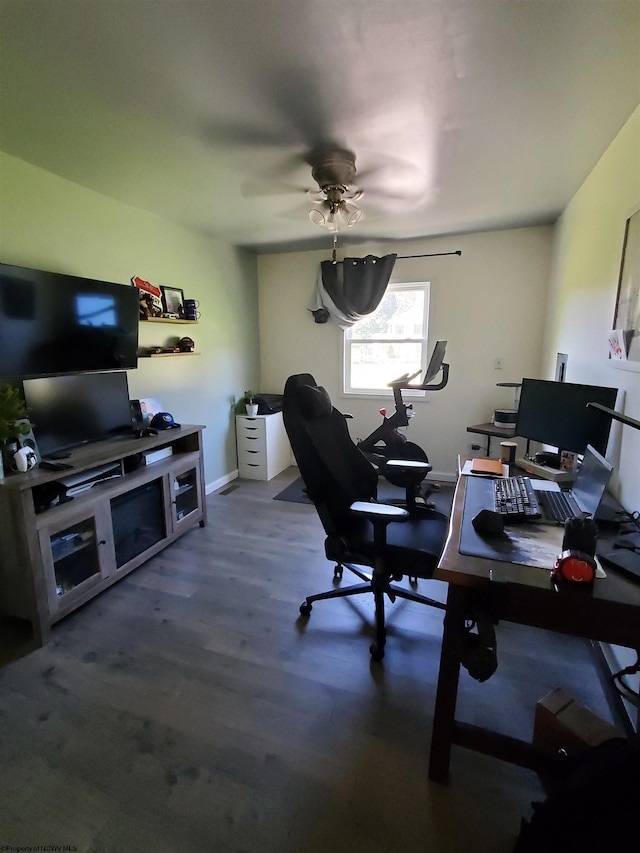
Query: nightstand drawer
x,y
252,455
250,427
253,469
251,442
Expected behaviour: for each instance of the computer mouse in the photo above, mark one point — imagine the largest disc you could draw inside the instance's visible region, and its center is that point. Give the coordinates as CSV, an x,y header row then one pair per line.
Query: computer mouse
x,y
488,523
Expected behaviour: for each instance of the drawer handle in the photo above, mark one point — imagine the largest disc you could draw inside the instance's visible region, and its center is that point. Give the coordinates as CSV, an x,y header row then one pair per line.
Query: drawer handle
x,y
253,451
252,465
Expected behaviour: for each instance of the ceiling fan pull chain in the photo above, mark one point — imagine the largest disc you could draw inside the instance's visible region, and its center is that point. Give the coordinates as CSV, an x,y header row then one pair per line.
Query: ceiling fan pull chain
x,y
333,254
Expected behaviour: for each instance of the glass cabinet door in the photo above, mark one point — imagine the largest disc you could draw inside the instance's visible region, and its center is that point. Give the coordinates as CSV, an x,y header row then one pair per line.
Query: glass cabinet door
x,y
184,493
75,555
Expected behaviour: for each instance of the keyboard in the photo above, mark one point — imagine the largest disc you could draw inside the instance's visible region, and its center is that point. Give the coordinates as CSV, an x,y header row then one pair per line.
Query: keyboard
x,y
514,498
556,506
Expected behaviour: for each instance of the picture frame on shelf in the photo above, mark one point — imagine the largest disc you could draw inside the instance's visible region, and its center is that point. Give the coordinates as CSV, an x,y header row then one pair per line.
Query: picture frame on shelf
x,y
173,301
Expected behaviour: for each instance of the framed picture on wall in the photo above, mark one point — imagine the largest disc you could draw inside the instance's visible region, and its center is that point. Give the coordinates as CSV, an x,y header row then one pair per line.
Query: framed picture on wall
x,y
626,317
173,301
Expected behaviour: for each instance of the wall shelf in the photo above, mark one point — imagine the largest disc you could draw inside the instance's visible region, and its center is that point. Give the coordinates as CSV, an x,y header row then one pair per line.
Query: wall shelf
x,y
166,354
168,320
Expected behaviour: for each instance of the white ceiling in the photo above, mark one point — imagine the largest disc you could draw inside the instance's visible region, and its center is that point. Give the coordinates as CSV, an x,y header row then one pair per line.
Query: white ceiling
x,y
463,115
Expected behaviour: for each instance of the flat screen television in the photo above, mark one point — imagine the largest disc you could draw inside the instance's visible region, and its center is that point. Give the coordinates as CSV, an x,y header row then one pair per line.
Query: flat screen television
x,y
556,413
68,411
53,323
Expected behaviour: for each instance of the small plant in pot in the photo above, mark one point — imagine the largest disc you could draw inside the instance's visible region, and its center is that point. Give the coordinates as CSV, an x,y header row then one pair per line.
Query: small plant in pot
x,y
12,410
251,406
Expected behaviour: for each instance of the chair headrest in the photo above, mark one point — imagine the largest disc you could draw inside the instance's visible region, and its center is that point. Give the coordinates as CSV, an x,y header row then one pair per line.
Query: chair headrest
x,y
314,402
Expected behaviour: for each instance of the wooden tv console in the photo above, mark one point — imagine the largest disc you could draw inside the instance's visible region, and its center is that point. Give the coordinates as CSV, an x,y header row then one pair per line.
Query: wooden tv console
x,y
55,558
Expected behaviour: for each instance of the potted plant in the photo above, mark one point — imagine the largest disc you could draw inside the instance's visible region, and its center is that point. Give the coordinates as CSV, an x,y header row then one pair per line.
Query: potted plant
x,y
12,410
250,404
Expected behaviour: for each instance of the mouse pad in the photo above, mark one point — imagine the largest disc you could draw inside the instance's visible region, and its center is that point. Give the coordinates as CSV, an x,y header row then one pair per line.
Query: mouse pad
x,y
527,542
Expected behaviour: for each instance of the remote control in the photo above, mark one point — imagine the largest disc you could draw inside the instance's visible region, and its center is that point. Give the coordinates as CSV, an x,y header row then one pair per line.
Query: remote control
x,y
55,466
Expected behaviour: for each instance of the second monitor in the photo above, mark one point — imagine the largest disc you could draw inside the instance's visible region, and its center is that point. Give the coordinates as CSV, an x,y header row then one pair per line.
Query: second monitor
x,y
556,414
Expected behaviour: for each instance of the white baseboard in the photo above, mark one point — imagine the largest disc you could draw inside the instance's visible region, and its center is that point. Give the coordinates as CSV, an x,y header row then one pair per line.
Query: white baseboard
x,y
233,475
220,482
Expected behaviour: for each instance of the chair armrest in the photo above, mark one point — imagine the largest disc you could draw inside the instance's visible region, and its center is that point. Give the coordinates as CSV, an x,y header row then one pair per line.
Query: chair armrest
x,y
380,512
380,515
409,464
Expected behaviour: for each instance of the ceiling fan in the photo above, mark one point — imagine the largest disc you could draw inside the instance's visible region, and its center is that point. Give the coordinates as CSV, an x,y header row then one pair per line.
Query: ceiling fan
x,y
389,182
334,172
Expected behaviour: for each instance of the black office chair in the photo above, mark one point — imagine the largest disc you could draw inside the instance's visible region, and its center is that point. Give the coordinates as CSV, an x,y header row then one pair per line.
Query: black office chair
x,y
360,533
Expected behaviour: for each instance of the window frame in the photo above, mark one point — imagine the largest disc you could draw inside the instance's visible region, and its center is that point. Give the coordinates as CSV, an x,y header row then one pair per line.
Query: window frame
x,y
384,393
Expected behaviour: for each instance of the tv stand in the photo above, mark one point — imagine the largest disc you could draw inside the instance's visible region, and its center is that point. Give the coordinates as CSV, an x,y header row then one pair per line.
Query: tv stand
x,y
58,554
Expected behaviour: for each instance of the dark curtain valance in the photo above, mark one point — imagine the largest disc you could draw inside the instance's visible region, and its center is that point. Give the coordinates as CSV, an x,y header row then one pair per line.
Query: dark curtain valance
x,y
350,290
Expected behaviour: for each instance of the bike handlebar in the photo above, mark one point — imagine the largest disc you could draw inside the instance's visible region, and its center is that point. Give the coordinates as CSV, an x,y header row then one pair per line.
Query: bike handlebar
x,y
406,377
402,383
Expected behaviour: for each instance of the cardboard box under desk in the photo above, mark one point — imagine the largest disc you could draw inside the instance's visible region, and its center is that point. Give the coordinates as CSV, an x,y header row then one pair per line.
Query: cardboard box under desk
x,y
562,723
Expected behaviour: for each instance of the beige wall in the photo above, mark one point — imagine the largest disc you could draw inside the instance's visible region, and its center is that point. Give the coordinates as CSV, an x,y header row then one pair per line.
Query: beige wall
x,y
49,223
583,290
489,303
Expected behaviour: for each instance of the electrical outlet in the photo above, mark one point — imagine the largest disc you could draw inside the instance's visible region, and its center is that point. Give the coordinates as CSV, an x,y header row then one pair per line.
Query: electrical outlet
x,y
497,364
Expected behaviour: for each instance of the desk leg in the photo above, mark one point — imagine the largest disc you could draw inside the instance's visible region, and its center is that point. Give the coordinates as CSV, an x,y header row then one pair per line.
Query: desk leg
x,y
447,692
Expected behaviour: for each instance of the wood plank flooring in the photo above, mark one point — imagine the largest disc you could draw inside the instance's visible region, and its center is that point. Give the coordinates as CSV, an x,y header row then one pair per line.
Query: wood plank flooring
x,y
188,709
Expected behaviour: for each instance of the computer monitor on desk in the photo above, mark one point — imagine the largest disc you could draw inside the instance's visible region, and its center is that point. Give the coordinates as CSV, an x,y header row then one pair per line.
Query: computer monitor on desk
x,y
556,414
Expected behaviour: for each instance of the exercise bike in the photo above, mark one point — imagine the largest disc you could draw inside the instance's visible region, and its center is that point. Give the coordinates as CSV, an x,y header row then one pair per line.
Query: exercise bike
x,y
400,461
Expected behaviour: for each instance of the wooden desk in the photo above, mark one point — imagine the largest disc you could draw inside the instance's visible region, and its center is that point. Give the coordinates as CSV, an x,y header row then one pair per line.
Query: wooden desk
x,y
523,595
490,430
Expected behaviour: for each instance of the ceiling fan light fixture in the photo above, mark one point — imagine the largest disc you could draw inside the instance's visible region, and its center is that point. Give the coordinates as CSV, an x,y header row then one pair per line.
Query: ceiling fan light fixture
x,y
336,213
332,221
334,172
349,213
317,217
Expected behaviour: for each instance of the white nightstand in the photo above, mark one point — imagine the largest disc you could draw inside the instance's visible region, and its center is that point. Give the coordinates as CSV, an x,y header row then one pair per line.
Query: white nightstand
x,y
263,446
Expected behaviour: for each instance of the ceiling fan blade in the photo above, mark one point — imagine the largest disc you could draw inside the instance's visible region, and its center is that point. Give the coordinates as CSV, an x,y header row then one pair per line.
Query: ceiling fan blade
x,y
237,134
391,177
263,189
300,211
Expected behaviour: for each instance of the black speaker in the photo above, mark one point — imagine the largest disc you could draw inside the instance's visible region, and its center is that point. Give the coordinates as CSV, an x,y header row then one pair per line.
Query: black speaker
x,y
580,534
28,439
137,418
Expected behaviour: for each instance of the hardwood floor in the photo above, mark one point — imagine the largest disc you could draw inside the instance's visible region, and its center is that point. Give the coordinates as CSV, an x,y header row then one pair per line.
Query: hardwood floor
x,y
189,708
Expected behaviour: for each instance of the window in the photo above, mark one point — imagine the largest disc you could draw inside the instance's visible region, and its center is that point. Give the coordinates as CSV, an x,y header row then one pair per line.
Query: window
x,y
388,343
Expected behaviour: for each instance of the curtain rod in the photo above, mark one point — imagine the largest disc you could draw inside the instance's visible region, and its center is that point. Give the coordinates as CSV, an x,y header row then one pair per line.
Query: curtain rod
x,y
432,255
407,257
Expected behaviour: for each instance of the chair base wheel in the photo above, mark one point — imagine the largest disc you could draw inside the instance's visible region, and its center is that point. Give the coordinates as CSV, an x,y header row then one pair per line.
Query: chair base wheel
x,y
305,608
337,573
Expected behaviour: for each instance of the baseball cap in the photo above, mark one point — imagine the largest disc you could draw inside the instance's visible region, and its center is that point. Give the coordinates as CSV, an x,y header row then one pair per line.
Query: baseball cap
x,y
163,420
